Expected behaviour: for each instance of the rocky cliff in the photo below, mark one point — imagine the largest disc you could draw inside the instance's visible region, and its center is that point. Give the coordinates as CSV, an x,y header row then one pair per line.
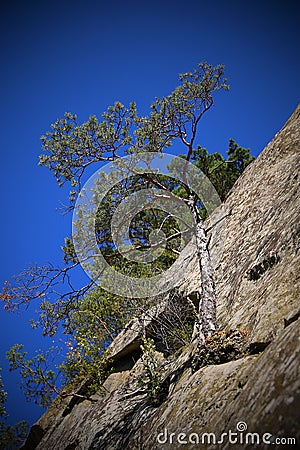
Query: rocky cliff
x,y
245,403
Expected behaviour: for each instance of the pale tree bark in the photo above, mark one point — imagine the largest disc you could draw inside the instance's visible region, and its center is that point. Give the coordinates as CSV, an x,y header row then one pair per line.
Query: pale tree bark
x,y
207,324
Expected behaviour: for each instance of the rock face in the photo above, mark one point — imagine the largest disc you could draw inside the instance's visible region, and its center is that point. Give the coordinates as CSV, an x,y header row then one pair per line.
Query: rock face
x,y
242,404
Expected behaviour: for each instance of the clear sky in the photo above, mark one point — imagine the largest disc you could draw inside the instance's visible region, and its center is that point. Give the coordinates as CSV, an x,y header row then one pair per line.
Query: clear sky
x,y
81,56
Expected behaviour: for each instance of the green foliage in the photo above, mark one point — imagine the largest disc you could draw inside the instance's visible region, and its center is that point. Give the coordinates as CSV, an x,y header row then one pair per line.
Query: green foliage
x,y
240,156
139,229
223,172
85,366
91,326
98,318
151,379
11,436
69,251
69,148
38,381
73,147
96,321
222,347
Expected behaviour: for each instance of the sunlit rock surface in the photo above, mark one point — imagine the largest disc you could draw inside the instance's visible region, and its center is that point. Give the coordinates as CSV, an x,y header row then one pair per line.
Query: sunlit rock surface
x,y
257,281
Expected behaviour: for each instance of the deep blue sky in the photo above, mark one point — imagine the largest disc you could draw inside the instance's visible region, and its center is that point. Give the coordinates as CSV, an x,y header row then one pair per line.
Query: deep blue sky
x,y
81,56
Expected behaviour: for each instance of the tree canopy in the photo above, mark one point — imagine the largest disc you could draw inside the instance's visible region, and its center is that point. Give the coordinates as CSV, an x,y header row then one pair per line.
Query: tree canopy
x,y
90,316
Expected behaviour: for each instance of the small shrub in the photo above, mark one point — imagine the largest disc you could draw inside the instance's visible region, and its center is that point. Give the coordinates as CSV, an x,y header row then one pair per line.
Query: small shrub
x,y
150,380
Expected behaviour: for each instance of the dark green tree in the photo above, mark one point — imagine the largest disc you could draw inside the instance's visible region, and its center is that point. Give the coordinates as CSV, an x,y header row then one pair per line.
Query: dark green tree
x,y
223,172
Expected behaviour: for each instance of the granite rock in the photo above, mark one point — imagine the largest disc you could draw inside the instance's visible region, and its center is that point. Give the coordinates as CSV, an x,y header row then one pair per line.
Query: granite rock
x,y
257,279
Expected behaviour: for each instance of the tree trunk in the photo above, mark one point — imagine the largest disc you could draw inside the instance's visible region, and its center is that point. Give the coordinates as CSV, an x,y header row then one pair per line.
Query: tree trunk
x,y
207,302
